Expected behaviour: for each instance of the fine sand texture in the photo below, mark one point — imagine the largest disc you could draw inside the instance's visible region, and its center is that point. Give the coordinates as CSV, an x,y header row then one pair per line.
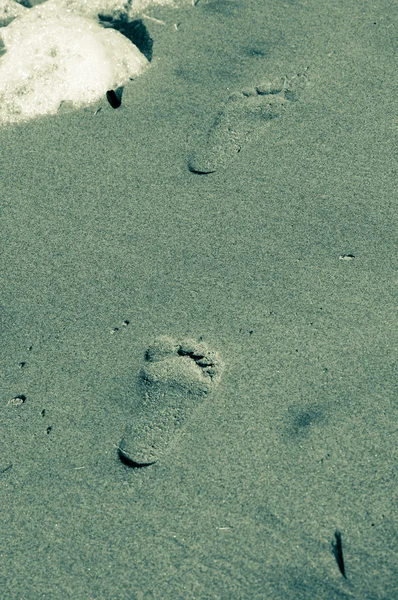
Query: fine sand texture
x,y
198,358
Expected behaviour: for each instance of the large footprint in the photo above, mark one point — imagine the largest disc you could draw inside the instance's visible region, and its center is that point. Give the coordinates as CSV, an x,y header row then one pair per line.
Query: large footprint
x,y
177,377
244,114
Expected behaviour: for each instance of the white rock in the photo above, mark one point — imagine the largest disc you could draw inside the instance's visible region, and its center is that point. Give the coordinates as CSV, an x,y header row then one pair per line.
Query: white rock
x,y
54,55
58,52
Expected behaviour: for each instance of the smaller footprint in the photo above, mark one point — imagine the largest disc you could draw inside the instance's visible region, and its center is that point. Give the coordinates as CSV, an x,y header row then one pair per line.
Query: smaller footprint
x,y
244,115
176,379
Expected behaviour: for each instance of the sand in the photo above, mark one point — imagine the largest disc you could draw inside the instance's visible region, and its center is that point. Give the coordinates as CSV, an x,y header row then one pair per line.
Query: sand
x,y
283,260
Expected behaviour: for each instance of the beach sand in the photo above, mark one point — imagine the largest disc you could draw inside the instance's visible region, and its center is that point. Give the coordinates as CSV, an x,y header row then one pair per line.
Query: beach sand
x,y
283,261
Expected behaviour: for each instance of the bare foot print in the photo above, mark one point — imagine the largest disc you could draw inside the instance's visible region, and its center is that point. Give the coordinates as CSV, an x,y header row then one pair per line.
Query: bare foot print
x,y
177,377
244,115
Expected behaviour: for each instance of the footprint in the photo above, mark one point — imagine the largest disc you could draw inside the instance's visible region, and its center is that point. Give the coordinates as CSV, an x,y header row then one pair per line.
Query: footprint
x,y
244,115
177,377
